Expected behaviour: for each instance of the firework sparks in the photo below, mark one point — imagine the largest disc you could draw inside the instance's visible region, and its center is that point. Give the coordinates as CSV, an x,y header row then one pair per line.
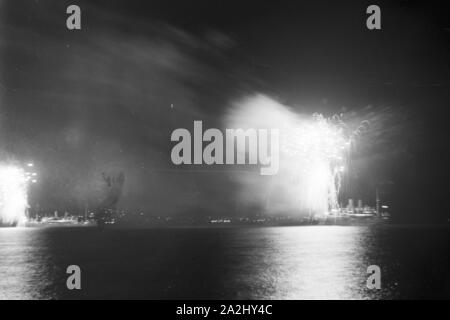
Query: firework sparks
x,y
13,195
314,154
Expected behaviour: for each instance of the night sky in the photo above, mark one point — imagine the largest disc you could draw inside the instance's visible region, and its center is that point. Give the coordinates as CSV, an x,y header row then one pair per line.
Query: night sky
x,y
106,98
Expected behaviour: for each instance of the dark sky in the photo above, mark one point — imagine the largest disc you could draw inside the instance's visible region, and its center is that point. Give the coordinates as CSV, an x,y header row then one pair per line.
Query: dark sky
x,y
107,97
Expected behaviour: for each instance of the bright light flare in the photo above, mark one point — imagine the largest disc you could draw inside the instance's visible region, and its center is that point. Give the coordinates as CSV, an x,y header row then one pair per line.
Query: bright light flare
x,y
314,154
13,195
315,150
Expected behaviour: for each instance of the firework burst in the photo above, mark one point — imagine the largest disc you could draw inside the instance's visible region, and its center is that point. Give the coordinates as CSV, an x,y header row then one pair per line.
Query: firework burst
x,y
315,152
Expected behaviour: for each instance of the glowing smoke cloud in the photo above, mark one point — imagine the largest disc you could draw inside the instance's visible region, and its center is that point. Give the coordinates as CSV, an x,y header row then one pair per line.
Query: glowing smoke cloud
x,y
314,152
13,195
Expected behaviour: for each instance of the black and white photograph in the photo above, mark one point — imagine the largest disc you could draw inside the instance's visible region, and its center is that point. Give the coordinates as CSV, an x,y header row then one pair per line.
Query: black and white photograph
x,y
224,155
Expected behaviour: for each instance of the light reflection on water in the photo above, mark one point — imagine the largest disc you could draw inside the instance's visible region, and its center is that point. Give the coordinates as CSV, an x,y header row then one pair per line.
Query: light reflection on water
x,y
23,269
317,262
307,263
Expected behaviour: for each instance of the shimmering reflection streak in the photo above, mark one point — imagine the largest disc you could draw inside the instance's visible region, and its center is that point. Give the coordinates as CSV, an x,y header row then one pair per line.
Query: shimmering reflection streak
x,y
322,263
306,263
24,269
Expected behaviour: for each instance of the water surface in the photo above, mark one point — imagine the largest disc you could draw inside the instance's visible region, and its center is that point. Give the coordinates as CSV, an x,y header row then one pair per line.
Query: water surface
x,y
316,262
